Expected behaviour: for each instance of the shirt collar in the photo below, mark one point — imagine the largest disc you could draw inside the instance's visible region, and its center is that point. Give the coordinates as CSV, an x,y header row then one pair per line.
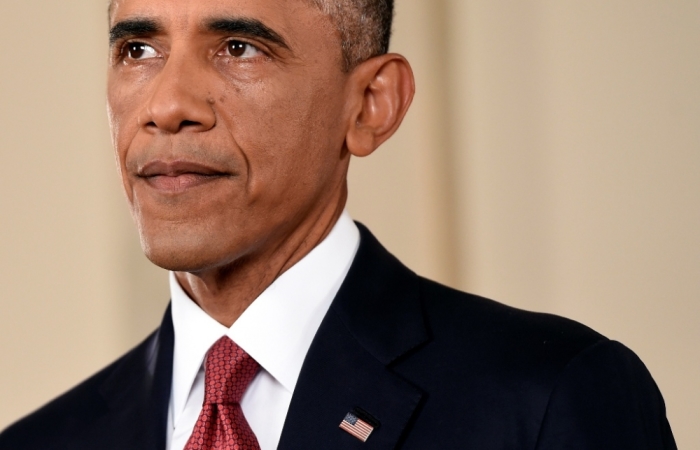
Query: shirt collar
x,y
278,327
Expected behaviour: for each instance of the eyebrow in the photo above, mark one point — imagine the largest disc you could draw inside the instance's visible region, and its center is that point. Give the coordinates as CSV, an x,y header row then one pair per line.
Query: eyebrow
x,y
252,28
133,28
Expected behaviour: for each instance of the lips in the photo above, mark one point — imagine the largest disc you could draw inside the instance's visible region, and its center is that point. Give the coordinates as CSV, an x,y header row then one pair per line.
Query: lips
x,y
178,176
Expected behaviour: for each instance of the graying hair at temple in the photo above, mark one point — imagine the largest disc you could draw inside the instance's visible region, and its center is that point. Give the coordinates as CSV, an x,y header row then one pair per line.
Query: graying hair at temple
x,y
364,27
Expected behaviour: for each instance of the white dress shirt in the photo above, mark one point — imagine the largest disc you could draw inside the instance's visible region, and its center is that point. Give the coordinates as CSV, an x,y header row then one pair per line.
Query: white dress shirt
x,y
276,330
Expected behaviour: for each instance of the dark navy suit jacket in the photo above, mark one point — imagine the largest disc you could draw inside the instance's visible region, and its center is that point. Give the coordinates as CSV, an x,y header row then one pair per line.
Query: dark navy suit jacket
x,y
430,367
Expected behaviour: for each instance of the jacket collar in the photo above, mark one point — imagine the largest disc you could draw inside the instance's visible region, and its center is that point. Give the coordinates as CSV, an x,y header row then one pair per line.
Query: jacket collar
x,y
375,319
379,302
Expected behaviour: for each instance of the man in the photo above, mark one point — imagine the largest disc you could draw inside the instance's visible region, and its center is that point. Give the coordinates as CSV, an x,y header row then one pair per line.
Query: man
x,y
290,327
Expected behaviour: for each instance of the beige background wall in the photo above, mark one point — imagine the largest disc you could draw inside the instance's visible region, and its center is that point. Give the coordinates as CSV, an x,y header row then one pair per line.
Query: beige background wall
x,y
551,160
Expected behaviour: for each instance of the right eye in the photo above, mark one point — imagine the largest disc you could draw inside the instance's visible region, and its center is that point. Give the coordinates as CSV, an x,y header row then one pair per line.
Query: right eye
x,y
242,50
139,51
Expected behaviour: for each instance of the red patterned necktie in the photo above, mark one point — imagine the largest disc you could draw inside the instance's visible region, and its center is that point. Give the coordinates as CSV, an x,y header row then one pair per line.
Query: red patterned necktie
x,y
221,425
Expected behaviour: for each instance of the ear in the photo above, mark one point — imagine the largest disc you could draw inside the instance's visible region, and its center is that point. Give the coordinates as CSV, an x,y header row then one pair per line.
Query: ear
x,y
381,90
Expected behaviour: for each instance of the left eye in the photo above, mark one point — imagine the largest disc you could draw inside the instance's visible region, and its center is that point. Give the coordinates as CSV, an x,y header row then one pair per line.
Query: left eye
x,y
138,50
240,49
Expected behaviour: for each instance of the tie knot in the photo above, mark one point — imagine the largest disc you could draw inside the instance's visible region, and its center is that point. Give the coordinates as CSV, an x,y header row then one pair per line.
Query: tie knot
x,y
228,372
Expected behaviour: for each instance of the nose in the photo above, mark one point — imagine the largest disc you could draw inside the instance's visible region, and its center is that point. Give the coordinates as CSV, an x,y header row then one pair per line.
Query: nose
x,y
180,100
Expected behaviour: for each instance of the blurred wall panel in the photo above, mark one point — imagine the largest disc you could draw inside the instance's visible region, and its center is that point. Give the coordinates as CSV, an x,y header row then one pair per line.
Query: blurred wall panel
x,y
61,296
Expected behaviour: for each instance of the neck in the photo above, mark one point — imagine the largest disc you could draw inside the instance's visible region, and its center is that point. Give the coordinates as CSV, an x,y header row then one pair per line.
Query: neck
x,y
224,293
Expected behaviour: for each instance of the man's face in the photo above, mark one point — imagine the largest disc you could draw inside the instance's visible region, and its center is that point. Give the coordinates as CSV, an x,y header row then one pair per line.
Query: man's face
x,y
228,122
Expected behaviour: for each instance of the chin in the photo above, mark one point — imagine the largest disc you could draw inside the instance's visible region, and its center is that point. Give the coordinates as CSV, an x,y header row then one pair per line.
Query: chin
x,y
169,261
180,254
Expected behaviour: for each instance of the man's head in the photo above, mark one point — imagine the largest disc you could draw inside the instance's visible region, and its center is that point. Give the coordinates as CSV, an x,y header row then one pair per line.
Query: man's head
x,y
234,120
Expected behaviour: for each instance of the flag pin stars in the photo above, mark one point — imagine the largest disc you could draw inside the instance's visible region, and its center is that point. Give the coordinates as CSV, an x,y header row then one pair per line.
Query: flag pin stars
x,y
356,427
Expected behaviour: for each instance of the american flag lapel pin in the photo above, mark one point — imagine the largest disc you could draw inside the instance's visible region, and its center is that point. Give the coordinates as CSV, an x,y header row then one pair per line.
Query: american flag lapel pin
x,y
356,427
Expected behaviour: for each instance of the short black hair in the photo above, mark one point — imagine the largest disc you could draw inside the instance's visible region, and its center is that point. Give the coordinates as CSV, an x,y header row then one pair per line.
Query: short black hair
x,y
364,27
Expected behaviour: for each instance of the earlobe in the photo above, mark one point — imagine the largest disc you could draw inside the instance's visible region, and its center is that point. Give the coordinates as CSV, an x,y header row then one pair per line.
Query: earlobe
x,y
383,88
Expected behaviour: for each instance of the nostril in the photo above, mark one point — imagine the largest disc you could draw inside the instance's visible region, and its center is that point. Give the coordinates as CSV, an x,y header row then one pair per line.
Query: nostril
x,y
189,123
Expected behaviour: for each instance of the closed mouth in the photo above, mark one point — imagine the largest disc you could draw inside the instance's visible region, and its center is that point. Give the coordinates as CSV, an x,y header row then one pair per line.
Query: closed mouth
x,y
177,176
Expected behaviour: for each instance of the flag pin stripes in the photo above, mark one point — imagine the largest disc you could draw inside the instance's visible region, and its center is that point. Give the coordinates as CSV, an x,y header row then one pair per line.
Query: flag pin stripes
x,y
356,427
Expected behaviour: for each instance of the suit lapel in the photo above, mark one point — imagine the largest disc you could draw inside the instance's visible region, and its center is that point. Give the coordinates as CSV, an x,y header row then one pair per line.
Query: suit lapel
x,y
375,319
138,391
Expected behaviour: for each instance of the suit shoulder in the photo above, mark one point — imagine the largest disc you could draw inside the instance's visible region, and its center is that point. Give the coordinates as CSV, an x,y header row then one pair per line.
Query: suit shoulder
x,y
69,412
517,376
497,332
602,385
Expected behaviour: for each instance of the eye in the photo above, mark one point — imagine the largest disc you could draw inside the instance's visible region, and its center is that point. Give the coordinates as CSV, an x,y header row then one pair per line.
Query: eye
x,y
139,51
243,50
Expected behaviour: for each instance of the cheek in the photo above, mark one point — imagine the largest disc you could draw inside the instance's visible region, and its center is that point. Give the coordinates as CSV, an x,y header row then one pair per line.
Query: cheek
x,y
291,138
127,95
123,106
